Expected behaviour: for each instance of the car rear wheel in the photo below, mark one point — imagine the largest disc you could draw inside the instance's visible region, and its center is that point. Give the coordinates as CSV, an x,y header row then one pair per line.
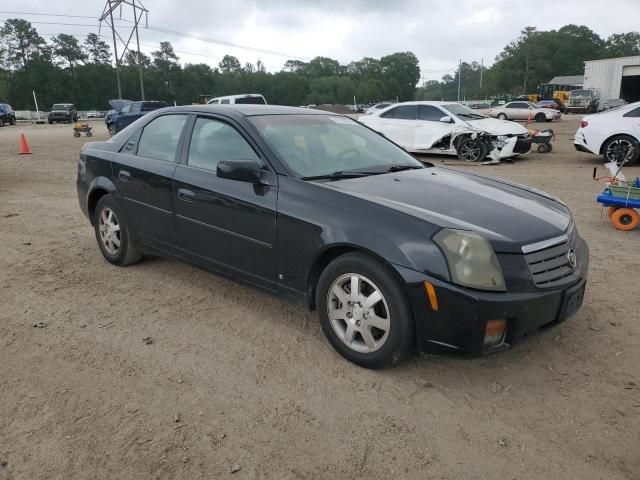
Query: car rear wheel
x,y
364,312
502,116
112,233
471,150
617,149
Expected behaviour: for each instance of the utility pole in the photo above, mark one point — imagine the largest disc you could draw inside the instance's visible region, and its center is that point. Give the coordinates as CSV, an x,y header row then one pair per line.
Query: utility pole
x,y
459,78
526,72
481,69
107,16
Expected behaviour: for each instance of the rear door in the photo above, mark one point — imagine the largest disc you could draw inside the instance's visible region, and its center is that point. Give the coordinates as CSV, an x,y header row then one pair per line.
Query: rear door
x,y
229,225
399,124
517,111
129,114
142,173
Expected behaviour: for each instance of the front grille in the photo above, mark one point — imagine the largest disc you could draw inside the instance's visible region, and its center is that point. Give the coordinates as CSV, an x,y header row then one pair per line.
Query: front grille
x,y
549,261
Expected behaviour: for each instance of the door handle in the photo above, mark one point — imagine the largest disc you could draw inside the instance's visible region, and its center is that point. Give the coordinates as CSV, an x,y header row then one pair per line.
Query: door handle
x,y
186,195
124,176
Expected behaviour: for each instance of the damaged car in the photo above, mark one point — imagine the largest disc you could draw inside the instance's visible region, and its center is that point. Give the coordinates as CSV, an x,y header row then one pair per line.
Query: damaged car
x,y
449,128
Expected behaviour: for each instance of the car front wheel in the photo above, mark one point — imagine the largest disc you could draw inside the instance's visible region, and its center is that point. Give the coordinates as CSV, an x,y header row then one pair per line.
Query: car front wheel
x,y
364,312
112,233
112,129
471,150
502,116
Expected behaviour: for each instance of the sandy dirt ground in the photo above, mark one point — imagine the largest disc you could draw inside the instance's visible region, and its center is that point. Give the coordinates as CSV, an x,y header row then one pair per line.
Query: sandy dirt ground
x,y
236,377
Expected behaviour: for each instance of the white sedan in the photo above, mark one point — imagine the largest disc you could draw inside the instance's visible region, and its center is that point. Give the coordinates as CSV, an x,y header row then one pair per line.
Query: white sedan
x,y
521,110
449,128
612,134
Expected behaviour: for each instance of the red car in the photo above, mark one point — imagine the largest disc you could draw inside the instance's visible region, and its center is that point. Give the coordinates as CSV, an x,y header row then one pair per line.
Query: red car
x,y
548,104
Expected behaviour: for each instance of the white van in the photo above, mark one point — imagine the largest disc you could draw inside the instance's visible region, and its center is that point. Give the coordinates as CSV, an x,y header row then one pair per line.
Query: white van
x,y
248,98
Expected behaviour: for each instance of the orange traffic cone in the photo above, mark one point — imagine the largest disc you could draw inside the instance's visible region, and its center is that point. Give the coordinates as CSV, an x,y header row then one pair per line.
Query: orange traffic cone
x,y
24,146
529,119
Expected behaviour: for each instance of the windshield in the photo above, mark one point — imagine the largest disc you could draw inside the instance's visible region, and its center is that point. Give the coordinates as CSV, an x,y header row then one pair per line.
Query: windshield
x,y
60,106
316,145
463,112
580,93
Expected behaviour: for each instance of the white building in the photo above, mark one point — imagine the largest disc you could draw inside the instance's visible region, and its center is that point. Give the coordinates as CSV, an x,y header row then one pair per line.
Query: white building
x,y
614,78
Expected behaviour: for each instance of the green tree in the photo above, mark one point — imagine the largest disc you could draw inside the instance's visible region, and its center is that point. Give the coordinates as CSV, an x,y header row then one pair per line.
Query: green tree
x,y
229,64
96,50
401,73
622,45
67,50
22,42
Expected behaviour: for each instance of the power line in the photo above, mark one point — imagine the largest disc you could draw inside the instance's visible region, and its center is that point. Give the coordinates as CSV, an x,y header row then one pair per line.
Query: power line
x,y
162,30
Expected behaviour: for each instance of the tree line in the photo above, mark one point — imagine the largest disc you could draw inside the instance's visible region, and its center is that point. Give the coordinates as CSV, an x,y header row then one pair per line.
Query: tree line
x,y
532,59
65,69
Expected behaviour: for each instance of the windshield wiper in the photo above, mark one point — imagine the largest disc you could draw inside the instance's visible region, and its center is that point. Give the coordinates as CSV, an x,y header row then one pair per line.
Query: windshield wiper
x,y
339,175
399,168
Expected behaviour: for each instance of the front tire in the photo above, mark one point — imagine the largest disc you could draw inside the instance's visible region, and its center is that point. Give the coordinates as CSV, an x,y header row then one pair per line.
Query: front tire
x,y
502,116
364,312
540,118
112,129
471,150
112,233
617,148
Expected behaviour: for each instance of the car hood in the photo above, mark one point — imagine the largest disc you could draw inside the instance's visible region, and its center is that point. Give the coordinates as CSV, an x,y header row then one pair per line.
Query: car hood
x,y
508,214
495,126
119,103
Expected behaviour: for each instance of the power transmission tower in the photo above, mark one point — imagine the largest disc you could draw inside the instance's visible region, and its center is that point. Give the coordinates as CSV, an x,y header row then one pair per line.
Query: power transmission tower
x,y
107,16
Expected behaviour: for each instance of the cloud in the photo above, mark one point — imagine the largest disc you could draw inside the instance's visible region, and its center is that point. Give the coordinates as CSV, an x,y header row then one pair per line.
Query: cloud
x,y
439,32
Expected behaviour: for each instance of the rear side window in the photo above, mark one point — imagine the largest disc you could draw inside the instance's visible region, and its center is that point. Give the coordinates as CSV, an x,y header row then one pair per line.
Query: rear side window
x,y
135,107
226,100
213,140
430,113
159,139
250,100
517,105
404,112
633,113
126,108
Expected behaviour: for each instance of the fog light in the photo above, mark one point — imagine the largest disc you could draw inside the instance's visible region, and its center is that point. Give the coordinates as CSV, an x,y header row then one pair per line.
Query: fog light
x,y
494,332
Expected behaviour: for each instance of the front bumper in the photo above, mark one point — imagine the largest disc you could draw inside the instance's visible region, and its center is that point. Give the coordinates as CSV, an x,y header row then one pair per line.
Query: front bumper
x,y
458,325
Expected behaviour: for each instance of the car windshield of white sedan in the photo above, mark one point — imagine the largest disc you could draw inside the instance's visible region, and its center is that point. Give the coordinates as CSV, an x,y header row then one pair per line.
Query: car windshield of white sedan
x,y
463,112
331,146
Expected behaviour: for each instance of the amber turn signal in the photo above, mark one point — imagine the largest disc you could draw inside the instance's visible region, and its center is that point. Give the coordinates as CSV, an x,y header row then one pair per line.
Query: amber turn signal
x,y
494,332
431,294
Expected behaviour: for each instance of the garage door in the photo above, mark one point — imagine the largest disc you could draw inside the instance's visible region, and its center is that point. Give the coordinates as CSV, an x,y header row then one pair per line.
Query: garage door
x,y
631,70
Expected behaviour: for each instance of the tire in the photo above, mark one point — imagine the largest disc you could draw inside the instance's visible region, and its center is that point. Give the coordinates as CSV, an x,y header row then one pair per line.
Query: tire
x,y
1,123
625,219
471,150
116,246
540,118
392,310
616,149
12,121
112,129
543,148
502,116
76,134
610,211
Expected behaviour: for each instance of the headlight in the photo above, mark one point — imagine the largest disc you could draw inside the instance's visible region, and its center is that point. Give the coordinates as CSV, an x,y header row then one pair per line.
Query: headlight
x,y
471,259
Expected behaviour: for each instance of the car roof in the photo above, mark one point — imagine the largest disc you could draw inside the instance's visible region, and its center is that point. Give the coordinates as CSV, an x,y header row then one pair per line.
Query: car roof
x,y
425,102
250,110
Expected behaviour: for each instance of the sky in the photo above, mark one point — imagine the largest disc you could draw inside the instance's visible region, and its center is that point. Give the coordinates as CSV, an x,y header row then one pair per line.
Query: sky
x,y
438,32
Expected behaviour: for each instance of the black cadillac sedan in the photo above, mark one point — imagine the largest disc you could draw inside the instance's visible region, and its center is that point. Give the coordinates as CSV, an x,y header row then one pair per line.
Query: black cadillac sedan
x,y
393,254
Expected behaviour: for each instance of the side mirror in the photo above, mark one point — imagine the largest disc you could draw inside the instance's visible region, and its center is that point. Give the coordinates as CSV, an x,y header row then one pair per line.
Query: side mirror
x,y
446,119
241,170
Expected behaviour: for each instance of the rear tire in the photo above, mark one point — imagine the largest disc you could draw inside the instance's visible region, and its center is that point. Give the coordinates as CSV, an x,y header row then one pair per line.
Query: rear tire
x,y
112,233
350,322
540,118
616,149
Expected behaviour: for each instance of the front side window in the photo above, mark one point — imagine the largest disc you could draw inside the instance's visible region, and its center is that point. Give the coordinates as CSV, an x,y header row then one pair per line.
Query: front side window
x,y
135,107
213,141
404,112
159,139
312,145
430,113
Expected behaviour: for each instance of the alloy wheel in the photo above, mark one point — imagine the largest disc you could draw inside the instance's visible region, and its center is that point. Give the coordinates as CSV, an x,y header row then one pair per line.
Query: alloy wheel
x,y
358,313
109,228
470,151
618,150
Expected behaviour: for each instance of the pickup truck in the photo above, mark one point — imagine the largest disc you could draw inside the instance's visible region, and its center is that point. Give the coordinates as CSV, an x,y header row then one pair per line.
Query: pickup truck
x,y
7,115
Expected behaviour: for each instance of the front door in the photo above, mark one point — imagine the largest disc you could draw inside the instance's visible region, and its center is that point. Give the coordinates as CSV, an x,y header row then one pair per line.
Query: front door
x,y
142,172
228,224
399,125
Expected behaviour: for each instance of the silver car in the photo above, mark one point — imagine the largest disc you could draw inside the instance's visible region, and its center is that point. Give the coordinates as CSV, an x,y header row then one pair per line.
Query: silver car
x,y
522,110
